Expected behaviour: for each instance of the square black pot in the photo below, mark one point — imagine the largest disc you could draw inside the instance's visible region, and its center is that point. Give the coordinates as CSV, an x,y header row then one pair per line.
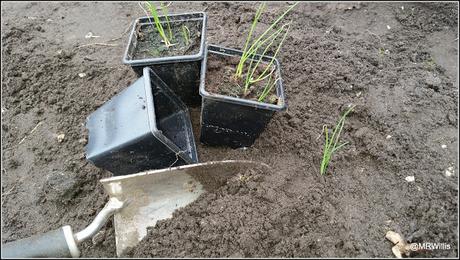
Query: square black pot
x,y
143,127
231,121
180,73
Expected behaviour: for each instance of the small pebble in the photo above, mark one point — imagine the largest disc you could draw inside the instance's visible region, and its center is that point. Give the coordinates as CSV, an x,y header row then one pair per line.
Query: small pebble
x,y
91,35
388,27
449,172
410,178
60,138
82,75
388,137
98,237
443,146
358,94
402,7
433,81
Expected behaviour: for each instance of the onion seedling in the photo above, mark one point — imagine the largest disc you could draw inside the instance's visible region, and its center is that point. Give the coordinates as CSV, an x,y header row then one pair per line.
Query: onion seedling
x,y
331,145
250,49
167,39
251,70
268,87
164,10
186,34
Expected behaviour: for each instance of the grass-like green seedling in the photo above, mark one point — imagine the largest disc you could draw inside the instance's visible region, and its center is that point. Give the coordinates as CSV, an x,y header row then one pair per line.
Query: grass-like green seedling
x,y
164,10
245,55
268,87
331,144
252,69
167,38
186,34
265,41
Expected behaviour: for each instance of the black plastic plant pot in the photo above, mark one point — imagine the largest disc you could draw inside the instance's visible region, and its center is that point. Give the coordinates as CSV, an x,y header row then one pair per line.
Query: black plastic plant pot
x,y
231,121
143,127
180,73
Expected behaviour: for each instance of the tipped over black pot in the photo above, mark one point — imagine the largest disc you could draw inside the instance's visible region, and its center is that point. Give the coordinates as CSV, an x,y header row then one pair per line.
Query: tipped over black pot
x,y
143,127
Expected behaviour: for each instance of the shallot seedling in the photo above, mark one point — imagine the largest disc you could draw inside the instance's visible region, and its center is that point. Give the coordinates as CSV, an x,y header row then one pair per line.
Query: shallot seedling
x,y
166,38
186,34
331,144
250,51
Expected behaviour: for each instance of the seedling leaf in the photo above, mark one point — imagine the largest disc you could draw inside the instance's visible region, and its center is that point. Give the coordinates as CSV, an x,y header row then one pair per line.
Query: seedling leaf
x,y
331,145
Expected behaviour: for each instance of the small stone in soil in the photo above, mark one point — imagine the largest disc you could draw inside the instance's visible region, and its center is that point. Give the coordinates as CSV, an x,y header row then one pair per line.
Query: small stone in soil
x,y
449,172
410,178
60,137
272,99
99,237
60,187
433,82
388,136
443,146
82,75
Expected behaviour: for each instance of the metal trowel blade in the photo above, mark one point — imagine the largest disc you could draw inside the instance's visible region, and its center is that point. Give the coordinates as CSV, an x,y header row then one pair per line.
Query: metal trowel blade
x,y
155,195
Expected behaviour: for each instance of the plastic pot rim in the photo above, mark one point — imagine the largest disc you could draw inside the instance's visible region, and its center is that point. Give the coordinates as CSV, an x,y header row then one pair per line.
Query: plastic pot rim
x,y
181,58
235,100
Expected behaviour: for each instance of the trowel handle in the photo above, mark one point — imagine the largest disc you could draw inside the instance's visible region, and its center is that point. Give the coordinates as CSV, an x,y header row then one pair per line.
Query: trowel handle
x,y
61,242
56,243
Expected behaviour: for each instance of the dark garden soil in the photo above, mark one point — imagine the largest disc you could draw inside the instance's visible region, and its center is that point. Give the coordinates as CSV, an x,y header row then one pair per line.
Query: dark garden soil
x,y
397,62
220,79
151,45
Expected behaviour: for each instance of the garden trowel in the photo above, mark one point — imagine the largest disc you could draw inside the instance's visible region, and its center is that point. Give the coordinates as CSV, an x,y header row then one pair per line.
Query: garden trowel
x,y
155,195
138,201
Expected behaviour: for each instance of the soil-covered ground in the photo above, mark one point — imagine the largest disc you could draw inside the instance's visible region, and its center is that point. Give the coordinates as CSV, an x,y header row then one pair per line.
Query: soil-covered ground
x,y
397,62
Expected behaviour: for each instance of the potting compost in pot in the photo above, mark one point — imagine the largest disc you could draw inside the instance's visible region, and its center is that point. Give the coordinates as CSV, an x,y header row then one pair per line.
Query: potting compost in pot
x,y
179,65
